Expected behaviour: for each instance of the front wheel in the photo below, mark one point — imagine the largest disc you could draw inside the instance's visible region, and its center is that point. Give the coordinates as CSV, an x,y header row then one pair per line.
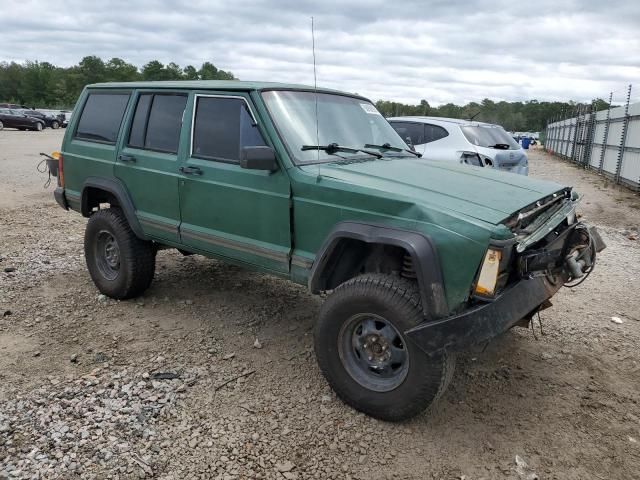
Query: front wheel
x,y
55,125
120,264
38,127
365,356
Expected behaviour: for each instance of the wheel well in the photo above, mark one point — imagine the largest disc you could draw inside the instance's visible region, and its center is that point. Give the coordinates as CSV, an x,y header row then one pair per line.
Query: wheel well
x,y
93,197
352,257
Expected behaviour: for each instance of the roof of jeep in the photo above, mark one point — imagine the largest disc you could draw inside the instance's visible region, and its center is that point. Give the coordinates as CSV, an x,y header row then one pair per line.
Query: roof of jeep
x,y
235,85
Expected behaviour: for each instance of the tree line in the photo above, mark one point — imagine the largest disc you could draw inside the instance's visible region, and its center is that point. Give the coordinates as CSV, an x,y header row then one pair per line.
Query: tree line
x,y
42,84
529,116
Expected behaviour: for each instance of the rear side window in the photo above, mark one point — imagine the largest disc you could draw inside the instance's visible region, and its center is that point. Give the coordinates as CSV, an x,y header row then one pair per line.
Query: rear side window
x,y
157,122
101,117
139,124
223,126
412,131
434,132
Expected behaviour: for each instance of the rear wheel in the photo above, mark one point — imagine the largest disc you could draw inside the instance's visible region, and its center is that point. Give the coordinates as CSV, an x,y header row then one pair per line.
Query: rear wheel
x,y
121,265
1,125
365,356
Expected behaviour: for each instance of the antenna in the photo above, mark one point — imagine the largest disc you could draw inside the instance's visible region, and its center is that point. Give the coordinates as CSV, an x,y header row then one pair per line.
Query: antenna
x,y
476,114
315,91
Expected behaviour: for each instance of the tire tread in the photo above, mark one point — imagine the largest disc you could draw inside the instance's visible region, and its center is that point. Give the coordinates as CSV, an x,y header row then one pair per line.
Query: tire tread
x,y
138,255
402,295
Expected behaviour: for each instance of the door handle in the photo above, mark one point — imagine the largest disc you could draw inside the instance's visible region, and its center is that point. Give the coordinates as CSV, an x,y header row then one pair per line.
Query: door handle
x,y
127,158
191,170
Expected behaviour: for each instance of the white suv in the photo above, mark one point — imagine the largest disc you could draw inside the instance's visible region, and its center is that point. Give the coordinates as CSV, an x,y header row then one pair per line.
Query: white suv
x,y
463,141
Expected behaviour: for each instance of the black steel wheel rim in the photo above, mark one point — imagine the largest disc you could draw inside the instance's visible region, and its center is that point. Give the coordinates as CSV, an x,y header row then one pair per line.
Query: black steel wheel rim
x,y
373,352
107,255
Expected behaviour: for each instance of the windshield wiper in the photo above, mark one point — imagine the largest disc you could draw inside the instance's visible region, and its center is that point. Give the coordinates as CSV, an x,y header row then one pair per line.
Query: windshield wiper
x,y
335,148
387,146
501,146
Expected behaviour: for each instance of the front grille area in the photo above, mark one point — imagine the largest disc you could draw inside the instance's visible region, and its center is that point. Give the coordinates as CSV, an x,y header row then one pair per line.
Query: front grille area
x,y
525,221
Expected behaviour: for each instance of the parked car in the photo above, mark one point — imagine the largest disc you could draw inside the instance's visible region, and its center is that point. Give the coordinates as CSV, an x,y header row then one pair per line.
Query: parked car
x,y
463,141
51,121
10,118
419,259
13,106
67,118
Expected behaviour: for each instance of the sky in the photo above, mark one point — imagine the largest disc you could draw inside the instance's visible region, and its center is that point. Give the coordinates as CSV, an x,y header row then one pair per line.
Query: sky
x,y
438,50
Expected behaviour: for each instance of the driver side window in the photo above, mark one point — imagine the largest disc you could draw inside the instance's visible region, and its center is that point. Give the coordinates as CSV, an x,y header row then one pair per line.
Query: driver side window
x,y
223,127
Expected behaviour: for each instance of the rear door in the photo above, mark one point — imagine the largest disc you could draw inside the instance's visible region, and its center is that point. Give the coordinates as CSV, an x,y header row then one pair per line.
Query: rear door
x,y
229,211
439,145
90,147
148,161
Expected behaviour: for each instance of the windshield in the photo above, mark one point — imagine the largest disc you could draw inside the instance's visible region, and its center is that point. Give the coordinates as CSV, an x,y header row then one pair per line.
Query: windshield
x,y
345,121
491,136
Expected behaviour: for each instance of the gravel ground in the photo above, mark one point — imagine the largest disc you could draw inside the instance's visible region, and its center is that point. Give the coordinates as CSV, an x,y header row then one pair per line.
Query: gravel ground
x,y
174,385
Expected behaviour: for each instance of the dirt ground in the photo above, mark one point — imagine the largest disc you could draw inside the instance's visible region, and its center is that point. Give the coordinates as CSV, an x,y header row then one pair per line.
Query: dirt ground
x,y
81,395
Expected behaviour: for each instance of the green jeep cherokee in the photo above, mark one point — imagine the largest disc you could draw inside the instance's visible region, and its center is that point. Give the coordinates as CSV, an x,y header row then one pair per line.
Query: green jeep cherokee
x,y
420,259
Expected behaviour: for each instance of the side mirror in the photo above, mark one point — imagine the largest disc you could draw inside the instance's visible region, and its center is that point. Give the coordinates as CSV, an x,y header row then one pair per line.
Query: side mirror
x,y
258,158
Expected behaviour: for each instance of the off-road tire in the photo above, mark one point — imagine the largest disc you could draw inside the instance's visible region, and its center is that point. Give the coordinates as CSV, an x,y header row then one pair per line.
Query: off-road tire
x,y
398,301
137,258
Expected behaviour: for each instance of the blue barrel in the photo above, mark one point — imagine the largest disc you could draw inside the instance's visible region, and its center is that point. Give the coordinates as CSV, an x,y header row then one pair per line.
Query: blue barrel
x,y
525,143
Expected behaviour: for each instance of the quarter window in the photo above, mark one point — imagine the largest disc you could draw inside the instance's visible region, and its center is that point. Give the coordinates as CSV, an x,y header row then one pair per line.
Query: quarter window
x,y
223,126
410,131
101,117
157,122
434,132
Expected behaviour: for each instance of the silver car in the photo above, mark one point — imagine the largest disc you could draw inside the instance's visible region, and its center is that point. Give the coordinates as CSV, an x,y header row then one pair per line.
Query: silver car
x,y
463,141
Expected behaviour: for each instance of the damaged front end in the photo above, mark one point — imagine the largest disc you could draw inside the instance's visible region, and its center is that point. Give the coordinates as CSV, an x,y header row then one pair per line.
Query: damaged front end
x,y
548,249
551,242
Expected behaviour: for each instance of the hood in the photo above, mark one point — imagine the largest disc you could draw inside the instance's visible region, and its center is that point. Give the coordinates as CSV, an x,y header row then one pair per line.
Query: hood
x,y
481,193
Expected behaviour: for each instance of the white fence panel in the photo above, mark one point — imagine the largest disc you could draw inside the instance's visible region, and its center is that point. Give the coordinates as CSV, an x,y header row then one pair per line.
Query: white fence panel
x,y
582,139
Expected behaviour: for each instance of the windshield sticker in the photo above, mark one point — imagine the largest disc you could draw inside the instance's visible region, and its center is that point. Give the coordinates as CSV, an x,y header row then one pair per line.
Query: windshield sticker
x,y
367,107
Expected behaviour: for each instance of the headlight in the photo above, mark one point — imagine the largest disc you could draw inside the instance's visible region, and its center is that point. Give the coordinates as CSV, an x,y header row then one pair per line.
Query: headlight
x,y
488,277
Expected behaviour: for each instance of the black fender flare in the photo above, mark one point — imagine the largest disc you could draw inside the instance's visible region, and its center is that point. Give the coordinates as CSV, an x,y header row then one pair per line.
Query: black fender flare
x,y
420,246
118,190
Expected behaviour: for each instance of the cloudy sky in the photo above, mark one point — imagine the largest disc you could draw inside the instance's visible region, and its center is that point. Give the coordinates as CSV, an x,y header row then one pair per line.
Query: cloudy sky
x,y
439,50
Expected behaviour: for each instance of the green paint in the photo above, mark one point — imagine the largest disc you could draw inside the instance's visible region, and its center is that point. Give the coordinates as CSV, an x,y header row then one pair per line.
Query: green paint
x,y
262,220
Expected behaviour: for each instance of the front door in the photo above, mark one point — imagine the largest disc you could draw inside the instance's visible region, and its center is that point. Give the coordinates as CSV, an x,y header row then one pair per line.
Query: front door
x,y
148,162
228,211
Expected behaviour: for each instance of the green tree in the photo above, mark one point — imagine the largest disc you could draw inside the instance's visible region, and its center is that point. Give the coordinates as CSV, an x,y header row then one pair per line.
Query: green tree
x,y
45,85
190,73
117,70
154,70
92,70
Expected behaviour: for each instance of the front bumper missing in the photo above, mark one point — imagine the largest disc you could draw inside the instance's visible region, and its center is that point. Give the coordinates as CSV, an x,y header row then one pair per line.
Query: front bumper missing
x,y
518,301
486,321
